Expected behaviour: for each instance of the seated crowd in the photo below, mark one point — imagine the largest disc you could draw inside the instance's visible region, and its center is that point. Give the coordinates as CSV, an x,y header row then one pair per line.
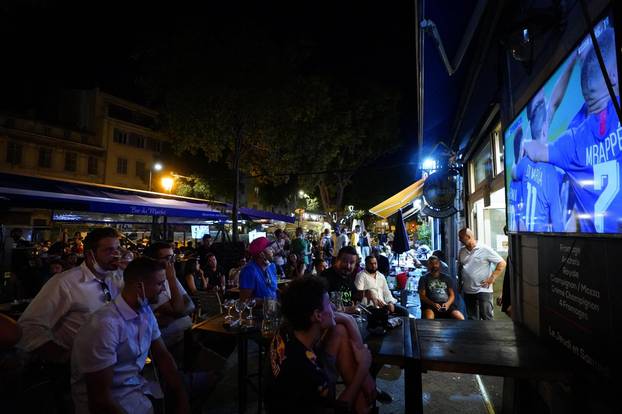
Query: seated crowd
x,y
95,324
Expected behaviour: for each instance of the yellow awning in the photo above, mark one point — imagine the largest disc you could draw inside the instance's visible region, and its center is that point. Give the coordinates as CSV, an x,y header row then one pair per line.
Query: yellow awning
x,y
389,206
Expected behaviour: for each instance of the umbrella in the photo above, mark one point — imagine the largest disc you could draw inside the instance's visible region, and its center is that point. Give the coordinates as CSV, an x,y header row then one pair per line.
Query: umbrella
x,y
400,242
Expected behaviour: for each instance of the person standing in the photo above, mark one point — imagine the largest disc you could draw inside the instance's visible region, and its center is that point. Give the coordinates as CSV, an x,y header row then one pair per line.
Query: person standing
x,y
327,247
475,276
365,245
301,247
342,240
354,239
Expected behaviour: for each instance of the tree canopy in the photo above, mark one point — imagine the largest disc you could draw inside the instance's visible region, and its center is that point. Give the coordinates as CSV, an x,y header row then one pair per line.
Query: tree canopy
x,y
216,87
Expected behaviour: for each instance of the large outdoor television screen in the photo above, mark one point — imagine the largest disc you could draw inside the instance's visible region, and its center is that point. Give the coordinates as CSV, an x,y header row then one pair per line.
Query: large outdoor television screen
x,y
563,152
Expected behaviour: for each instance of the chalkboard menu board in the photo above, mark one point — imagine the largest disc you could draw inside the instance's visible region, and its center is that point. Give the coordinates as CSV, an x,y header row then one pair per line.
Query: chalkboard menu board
x,y
580,284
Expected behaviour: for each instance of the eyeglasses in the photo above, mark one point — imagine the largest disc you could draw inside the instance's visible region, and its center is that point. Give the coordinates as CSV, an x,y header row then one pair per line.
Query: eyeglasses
x,y
105,290
168,258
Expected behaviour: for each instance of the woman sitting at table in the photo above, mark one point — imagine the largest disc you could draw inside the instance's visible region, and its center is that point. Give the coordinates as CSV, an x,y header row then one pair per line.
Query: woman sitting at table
x,y
194,277
309,349
295,267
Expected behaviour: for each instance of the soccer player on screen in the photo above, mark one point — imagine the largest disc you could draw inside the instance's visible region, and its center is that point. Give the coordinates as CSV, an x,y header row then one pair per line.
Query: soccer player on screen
x,y
540,181
515,193
591,153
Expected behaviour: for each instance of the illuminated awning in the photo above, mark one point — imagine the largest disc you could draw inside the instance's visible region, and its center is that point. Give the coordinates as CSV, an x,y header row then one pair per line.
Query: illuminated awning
x,y
391,205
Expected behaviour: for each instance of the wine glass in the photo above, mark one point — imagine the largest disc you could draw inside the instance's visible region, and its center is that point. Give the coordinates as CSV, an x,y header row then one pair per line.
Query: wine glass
x,y
229,304
240,305
250,304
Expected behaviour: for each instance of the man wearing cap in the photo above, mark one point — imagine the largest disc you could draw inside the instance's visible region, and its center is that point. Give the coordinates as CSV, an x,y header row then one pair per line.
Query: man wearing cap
x,y
258,277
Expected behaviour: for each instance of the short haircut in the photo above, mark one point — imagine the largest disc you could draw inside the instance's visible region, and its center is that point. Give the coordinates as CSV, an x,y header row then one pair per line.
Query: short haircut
x,y
439,254
300,299
518,138
433,258
210,254
369,258
278,232
154,248
141,269
95,236
347,250
591,67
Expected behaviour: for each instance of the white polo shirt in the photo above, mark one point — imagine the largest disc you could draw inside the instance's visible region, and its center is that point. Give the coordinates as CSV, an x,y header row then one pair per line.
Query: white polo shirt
x,y
477,265
116,336
62,306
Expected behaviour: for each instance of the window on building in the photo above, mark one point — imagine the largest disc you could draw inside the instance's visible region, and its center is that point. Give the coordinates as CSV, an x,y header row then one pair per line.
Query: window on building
x,y
141,171
14,153
119,136
45,158
71,161
154,144
122,165
481,167
136,140
92,166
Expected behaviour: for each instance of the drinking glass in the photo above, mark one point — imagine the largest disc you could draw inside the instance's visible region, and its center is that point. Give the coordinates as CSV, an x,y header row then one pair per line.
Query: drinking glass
x,y
250,304
229,304
239,308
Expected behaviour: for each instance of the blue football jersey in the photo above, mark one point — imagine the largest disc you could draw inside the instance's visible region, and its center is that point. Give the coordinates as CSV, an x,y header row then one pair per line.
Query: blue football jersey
x,y
541,184
515,206
591,154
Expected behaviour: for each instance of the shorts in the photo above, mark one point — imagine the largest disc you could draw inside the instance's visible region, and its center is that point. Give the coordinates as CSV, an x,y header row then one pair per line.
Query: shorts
x,y
445,314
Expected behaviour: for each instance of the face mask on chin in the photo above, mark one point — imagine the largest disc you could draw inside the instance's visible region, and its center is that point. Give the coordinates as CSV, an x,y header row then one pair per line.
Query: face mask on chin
x,y
144,302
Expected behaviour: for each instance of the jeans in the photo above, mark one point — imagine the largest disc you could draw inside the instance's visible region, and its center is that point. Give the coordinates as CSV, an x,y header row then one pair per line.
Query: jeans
x,y
479,306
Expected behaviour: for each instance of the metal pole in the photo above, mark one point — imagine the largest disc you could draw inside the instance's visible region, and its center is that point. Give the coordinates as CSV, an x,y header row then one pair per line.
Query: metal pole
x,y
150,170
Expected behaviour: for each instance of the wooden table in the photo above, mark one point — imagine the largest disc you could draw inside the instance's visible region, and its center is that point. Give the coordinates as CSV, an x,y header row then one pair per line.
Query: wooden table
x,y
215,325
399,346
498,348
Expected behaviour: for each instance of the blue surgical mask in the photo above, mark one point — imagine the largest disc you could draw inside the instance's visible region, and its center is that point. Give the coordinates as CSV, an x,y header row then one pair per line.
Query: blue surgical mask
x,y
144,302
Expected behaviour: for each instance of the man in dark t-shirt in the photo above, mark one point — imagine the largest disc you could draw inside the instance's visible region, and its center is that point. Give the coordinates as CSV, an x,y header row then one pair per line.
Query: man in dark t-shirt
x,y
303,356
436,293
340,277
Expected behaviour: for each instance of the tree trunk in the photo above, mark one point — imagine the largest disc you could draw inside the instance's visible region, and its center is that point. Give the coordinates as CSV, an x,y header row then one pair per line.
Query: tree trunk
x,y
236,194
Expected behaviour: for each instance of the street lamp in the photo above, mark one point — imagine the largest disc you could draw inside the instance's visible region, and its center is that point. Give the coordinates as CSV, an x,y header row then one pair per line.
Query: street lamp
x,y
158,167
167,183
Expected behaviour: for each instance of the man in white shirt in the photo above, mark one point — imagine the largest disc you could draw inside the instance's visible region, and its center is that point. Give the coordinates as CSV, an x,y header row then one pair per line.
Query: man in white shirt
x,y
477,276
174,306
375,288
111,348
342,240
51,321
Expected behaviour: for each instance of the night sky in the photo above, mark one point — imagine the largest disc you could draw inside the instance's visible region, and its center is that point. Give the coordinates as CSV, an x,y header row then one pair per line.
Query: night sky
x,y
48,45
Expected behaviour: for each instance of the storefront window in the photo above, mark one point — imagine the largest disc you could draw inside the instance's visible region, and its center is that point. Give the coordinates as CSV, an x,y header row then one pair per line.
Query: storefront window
x,y
481,167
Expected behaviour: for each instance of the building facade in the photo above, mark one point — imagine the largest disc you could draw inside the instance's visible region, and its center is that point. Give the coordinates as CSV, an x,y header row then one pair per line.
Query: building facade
x,y
96,138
